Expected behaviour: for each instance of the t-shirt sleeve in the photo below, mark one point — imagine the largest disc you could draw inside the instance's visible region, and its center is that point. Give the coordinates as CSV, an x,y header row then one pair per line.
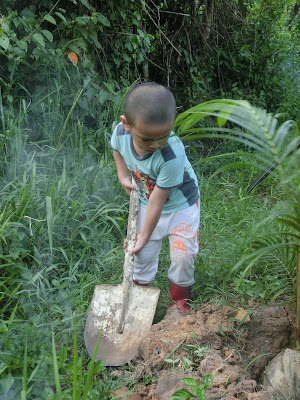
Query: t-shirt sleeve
x,y
114,140
171,173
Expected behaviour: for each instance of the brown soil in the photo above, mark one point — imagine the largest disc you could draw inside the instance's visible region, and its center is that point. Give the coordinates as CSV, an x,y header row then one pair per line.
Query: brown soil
x,y
232,344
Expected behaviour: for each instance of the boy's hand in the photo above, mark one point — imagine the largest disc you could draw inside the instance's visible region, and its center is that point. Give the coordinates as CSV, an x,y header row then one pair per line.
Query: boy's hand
x,y
127,184
125,245
139,244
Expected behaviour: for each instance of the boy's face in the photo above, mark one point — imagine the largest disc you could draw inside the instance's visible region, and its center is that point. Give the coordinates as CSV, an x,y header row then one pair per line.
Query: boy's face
x,y
148,138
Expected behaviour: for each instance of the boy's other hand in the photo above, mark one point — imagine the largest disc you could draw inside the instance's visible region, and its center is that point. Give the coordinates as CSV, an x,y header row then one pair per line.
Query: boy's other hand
x,y
139,244
128,185
125,245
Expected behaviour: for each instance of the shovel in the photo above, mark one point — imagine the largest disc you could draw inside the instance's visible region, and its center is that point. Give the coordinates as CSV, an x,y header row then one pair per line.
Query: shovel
x,y
124,313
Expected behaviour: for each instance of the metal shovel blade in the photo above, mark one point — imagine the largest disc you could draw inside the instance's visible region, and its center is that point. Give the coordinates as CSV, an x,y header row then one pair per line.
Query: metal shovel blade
x,y
115,348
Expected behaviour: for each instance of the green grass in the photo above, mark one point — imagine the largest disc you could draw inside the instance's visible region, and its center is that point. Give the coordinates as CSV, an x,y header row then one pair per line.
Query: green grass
x,y
63,217
229,232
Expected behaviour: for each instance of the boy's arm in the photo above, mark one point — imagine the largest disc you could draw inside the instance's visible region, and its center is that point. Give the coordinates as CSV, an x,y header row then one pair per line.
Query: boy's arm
x,y
153,211
123,173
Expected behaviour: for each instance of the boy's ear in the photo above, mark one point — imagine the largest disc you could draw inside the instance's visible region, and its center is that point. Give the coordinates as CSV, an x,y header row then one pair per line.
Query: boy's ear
x,y
125,123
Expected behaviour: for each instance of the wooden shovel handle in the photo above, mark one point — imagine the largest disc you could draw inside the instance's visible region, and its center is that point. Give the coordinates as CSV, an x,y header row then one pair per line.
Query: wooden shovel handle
x,y
129,259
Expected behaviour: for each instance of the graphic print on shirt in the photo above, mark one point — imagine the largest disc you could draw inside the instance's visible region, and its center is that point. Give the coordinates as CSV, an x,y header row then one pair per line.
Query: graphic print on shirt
x,y
144,182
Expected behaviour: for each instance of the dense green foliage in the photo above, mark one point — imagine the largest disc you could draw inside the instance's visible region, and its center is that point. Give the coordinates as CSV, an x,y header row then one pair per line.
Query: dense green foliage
x,y
202,50
62,211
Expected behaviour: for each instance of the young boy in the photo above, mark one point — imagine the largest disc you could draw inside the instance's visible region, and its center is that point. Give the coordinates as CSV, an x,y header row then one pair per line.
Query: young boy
x,y
144,145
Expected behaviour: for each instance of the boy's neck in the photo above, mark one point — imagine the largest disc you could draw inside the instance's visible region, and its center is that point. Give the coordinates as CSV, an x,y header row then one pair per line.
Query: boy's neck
x,y
139,151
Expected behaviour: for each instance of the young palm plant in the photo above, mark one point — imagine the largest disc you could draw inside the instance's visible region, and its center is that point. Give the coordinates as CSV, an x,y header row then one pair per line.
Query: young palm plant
x,y
273,149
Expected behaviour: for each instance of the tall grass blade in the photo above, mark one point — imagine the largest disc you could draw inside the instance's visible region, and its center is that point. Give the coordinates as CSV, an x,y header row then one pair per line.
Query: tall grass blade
x,y
49,213
251,362
24,375
297,334
75,362
55,365
58,147
91,369
173,351
12,317
79,380
35,370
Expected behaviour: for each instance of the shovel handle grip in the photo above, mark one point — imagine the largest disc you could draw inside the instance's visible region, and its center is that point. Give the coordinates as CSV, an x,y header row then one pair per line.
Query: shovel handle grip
x,y
129,258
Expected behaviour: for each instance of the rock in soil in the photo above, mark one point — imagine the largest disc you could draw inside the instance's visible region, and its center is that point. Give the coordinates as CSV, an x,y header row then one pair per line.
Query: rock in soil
x,y
282,376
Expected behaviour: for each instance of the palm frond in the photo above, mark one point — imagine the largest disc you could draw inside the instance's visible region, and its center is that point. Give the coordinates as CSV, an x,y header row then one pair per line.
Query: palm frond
x,y
258,130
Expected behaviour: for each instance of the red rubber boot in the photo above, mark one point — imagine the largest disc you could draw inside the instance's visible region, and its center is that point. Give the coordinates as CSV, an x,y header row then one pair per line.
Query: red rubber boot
x,y
140,284
181,296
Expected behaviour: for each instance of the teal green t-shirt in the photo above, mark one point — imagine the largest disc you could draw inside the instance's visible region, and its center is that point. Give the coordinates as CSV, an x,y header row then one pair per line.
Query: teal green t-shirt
x,y
168,168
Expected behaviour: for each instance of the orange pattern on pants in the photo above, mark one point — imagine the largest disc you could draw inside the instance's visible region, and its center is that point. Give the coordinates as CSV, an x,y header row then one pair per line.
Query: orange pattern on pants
x,y
179,249
184,246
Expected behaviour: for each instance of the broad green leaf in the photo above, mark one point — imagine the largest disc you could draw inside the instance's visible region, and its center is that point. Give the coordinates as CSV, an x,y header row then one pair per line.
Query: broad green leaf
x,y
78,43
6,383
48,35
126,57
221,121
200,392
208,379
86,3
182,394
223,116
22,44
3,329
189,381
38,38
14,252
3,366
61,16
4,42
93,36
50,19
4,26
19,52
104,21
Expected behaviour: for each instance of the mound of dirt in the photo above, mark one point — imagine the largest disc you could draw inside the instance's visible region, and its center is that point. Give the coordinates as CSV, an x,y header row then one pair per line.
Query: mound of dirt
x,y
229,343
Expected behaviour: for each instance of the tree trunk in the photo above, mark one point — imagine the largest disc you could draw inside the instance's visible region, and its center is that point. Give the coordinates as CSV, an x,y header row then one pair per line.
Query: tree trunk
x,y
207,21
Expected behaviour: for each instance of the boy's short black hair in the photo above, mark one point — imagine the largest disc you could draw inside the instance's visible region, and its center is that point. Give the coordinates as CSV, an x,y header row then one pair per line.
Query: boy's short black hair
x,y
151,102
